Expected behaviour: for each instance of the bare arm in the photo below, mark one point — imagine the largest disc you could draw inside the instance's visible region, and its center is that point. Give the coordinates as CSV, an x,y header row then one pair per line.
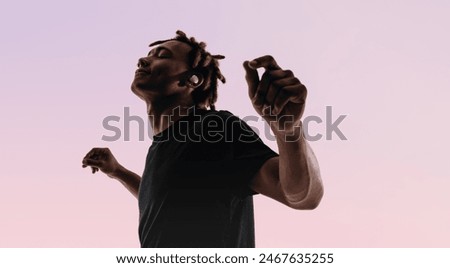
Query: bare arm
x,y
102,159
279,97
293,178
129,179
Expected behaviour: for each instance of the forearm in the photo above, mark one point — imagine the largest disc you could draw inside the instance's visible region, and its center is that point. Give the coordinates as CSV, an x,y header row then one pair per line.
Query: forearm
x,y
299,172
129,179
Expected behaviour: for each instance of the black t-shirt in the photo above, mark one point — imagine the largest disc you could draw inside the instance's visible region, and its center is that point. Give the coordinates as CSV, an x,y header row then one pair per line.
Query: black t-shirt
x,y
195,187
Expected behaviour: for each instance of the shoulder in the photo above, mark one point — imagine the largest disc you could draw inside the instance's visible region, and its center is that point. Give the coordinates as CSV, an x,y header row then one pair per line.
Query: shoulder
x,y
220,115
226,123
224,117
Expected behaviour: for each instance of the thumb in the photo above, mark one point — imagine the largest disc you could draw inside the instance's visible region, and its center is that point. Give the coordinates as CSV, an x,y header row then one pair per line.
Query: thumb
x,y
252,77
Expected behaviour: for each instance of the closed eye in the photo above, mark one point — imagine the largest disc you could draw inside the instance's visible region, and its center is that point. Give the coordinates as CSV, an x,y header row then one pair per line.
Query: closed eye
x,y
160,52
163,54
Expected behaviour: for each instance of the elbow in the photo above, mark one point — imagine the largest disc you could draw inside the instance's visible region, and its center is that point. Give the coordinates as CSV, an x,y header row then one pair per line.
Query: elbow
x,y
316,200
306,205
310,202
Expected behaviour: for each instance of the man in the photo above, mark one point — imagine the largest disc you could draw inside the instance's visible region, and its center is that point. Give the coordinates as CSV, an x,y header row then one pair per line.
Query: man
x,y
204,165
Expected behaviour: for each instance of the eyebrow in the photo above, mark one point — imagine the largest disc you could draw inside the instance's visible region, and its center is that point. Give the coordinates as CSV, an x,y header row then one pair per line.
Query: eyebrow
x,y
159,48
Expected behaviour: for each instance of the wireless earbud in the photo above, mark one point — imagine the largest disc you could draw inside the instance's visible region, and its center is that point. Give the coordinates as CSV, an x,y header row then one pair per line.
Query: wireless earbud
x,y
194,79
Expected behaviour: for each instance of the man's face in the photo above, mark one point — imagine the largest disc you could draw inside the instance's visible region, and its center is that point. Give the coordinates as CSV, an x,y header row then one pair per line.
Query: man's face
x,y
162,70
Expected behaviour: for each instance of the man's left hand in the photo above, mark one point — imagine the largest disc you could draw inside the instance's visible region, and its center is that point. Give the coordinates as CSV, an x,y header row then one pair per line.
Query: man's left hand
x,y
279,97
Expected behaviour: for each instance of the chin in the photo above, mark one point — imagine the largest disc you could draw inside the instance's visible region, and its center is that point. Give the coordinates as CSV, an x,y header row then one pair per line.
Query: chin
x,y
142,90
136,88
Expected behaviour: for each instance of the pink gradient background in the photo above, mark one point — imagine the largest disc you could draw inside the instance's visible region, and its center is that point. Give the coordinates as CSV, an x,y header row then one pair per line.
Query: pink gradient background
x,y
386,65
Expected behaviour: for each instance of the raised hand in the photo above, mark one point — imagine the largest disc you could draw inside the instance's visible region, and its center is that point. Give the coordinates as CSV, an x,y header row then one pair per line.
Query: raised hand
x,y
279,97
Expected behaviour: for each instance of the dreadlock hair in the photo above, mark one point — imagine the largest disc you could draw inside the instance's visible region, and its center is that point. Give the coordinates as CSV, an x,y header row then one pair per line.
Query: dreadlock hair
x,y
202,62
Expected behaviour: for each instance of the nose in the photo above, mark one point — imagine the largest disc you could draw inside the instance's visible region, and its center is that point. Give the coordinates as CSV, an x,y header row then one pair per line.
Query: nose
x,y
142,62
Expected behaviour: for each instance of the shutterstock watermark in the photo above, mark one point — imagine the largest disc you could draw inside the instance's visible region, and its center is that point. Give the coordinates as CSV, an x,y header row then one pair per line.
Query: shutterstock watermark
x,y
212,127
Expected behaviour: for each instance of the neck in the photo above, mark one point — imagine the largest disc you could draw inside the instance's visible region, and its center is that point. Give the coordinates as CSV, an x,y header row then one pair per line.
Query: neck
x,y
162,116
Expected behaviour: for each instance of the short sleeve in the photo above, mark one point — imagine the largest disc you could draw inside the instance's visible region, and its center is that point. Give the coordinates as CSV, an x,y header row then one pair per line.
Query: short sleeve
x,y
249,153
223,155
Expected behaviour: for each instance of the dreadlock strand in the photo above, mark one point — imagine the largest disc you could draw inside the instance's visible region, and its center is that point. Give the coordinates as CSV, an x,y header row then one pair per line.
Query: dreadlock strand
x,y
218,57
207,60
197,59
181,33
202,45
213,94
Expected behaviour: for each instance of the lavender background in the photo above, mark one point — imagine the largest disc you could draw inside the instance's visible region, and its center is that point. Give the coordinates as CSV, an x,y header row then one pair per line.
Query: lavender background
x,y
65,65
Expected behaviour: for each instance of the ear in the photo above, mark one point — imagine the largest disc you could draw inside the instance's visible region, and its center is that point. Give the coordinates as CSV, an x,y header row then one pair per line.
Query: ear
x,y
195,80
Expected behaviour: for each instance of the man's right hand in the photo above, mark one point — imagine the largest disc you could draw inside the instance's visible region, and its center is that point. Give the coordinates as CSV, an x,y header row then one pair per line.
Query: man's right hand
x,y
101,159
